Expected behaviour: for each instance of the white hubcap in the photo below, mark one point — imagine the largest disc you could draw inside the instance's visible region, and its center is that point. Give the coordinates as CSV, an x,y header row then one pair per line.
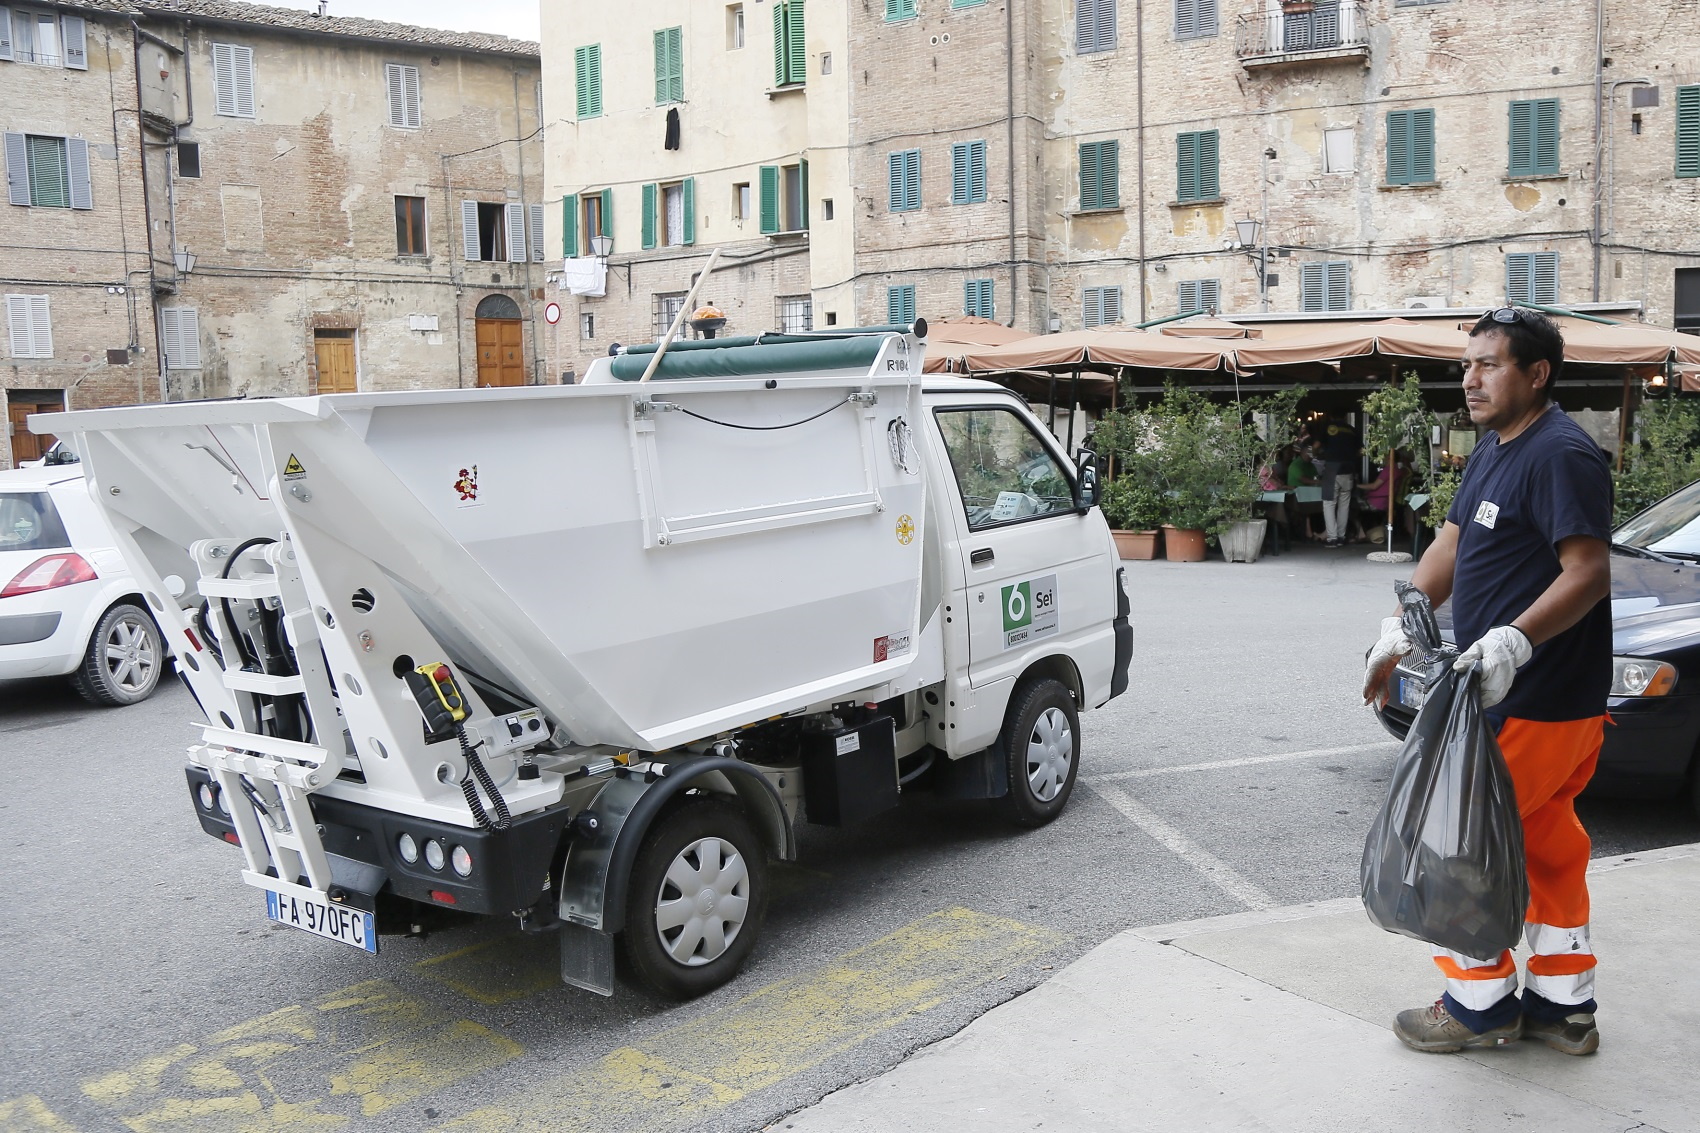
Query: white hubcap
x,y
1050,750
703,901
130,655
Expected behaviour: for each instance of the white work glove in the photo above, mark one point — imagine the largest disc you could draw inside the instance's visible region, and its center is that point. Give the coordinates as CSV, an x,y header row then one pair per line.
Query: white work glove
x,y
1386,653
1501,651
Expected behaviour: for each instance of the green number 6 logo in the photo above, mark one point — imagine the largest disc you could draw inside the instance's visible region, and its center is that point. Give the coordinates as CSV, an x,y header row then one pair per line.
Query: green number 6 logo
x,y
1017,605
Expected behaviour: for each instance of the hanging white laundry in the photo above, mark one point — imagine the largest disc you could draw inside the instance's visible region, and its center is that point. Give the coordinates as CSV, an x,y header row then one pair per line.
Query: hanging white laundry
x,y
584,275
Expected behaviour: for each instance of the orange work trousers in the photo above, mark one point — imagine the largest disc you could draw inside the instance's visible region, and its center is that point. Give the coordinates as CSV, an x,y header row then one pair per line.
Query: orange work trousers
x,y
1550,762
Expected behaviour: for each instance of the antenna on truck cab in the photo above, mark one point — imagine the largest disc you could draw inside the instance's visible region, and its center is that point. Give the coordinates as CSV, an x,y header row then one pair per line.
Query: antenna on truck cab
x,y
685,308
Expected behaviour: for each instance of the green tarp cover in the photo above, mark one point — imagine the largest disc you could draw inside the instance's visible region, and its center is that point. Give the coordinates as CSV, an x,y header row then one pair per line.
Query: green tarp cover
x,y
790,355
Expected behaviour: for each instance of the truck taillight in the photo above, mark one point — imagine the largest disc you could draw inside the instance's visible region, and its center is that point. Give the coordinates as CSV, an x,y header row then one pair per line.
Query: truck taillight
x,y
48,573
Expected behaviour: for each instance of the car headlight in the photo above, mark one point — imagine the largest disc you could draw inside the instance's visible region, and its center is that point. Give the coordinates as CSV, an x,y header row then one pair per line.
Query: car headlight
x,y
1640,676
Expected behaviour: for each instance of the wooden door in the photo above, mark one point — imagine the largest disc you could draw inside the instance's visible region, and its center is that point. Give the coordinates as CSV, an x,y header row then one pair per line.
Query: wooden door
x,y
501,359
25,444
336,364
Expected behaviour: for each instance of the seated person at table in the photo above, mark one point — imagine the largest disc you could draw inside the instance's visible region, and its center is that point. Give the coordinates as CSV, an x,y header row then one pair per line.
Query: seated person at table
x,y
1302,473
1383,489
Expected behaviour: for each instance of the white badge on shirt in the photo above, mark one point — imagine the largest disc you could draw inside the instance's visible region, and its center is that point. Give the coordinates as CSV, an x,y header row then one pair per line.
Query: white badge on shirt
x,y
1487,514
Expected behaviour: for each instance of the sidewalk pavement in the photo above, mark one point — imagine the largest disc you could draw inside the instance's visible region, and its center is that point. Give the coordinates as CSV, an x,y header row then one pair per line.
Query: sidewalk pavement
x,y
1279,1020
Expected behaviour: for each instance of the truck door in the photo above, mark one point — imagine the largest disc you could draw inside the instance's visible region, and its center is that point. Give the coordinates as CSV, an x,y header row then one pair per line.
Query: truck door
x,y
1036,570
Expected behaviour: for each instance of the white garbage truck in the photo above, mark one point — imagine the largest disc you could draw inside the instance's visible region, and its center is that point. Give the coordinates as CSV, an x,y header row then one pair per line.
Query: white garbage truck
x,y
586,656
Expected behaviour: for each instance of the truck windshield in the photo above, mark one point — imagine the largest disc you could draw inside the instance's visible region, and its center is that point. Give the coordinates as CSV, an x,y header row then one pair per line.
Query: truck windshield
x,y
1003,469
29,522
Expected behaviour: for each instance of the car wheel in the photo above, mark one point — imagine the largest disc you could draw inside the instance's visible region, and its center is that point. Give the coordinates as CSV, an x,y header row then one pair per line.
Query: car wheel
x,y
1041,748
123,660
698,894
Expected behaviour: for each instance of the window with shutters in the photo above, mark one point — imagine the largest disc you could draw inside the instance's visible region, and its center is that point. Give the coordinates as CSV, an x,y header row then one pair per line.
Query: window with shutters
x,y
790,54
401,84
1198,295
410,226
1101,306
900,304
968,173
1534,138
783,192
966,3
534,219
1196,166
1094,26
903,174
669,65
674,220
46,171
1410,147
1531,277
587,80
596,215
233,80
180,335
1195,19
1100,176
979,297
1325,285
31,328
45,39
494,232
900,10
796,314
1688,131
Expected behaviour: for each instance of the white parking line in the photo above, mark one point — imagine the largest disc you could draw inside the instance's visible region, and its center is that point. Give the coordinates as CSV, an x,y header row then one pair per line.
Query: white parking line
x,y
1217,871
1248,761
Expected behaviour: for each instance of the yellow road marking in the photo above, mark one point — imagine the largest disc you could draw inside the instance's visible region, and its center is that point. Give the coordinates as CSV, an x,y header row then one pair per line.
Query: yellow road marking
x,y
498,971
29,1114
678,1077
360,1050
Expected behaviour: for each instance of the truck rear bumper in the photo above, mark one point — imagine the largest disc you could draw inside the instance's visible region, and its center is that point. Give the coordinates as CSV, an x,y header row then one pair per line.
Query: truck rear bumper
x,y
510,869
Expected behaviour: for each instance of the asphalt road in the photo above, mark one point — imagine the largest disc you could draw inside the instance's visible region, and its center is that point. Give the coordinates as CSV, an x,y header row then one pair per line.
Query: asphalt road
x,y
145,989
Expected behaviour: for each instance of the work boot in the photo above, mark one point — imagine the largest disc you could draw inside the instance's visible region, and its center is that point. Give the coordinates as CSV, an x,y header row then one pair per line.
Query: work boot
x,y
1433,1029
1573,1034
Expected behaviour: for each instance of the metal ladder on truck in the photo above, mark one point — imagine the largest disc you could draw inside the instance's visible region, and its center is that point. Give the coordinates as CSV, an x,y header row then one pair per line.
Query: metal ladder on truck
x,y
278,834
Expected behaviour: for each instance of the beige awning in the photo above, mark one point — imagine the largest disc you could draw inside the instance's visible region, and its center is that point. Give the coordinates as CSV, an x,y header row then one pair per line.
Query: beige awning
x,y
1105,346
1204,326
948,339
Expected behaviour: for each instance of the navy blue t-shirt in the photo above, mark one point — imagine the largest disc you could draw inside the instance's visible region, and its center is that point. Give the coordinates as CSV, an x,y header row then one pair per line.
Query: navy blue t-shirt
x,y
1517,502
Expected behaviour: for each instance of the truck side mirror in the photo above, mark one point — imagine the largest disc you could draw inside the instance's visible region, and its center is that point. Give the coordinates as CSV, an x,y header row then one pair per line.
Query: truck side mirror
x,y
1086,481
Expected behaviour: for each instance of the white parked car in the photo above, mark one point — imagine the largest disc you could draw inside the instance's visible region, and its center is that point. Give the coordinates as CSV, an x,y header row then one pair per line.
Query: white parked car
x,y
68,604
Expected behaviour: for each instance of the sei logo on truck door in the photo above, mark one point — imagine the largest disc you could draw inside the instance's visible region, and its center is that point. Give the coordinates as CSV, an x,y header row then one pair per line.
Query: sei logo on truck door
x,y
1029,610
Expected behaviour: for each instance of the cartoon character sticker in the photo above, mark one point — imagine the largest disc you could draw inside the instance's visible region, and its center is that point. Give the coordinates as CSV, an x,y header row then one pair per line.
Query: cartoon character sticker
x,y
466,487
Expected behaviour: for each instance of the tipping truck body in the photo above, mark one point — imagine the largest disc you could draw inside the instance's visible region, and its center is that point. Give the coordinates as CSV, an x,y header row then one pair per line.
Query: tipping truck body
x,y
586,656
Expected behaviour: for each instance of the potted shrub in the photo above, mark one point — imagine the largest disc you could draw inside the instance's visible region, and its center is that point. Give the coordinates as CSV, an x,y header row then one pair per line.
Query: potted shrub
x,y
1254,430
1134,510
1395,418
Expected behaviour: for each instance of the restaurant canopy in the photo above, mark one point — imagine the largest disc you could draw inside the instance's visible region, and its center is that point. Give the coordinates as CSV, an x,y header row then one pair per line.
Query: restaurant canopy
x,y
947,338
1102,348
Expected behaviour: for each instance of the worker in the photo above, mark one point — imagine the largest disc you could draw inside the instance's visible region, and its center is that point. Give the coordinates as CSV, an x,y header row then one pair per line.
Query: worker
x,y
1525,557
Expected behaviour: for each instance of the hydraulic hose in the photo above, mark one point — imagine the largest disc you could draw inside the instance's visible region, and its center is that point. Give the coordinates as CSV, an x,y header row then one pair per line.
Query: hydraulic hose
x,y
475,769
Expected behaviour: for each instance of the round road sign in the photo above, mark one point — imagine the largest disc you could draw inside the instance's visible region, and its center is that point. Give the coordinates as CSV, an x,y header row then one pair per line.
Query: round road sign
x,y
552,314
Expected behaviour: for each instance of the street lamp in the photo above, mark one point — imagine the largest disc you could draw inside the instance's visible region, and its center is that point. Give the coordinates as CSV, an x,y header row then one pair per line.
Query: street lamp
x,y
1248,232
601,246
185,261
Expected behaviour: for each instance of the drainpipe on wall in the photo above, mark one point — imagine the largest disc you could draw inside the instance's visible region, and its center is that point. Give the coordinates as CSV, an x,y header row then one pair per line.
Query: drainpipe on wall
x,y
1139,124
1009,123
525,208
1599,131
449,243
136,34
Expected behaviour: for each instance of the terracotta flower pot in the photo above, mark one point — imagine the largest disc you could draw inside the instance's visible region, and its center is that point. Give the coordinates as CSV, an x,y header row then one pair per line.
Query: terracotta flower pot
x,y
1136,544
1183,544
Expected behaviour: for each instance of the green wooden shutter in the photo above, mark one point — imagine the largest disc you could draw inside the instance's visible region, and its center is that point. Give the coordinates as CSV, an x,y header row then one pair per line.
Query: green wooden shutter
x,y
1546,135
1688,131
663,77
587,78
649,196
900,304
676,63
976,171
900,9
1091,177
781,49
1521,162
1209,185
1399,147
894,181
796,47
688,190
912,179
959,173
1313,292
1422,146
1517,277
1109,174
1338,281
769,208
1543,282
978,298
569,225
803,192
607,212
1186,167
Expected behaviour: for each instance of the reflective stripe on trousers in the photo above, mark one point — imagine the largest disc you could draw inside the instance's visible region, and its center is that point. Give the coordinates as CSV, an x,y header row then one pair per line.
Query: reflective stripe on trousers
x,y
1550,763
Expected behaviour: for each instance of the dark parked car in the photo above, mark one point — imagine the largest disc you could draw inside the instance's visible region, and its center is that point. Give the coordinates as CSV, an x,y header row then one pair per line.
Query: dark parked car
x,y
1651,741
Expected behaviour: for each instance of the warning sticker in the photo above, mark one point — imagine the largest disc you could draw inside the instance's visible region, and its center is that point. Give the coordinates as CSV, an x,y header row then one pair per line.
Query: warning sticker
x,y
848,743
894,645
466,487
1029,611
293,469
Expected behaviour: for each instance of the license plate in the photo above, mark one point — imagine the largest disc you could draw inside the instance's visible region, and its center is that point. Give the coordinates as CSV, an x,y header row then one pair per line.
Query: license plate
x,y
352,927
1410,692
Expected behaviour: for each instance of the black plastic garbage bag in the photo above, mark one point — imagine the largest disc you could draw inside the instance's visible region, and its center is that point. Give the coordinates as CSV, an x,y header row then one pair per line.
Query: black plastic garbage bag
x,y
1444,860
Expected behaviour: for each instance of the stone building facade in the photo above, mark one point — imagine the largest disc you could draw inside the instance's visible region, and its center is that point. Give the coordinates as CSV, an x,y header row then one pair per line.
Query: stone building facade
x,y
1059,163
283,203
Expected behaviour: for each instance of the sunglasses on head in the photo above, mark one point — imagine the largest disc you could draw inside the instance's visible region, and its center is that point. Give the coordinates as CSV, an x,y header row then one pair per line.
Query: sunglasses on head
x,y
1507,315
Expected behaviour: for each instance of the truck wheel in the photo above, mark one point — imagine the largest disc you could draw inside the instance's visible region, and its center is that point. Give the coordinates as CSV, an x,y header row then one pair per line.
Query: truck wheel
x,y
122,663
698,896
1041,748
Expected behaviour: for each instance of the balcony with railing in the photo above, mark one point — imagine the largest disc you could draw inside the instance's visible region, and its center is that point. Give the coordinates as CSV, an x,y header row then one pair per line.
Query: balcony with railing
x,y
1303,31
